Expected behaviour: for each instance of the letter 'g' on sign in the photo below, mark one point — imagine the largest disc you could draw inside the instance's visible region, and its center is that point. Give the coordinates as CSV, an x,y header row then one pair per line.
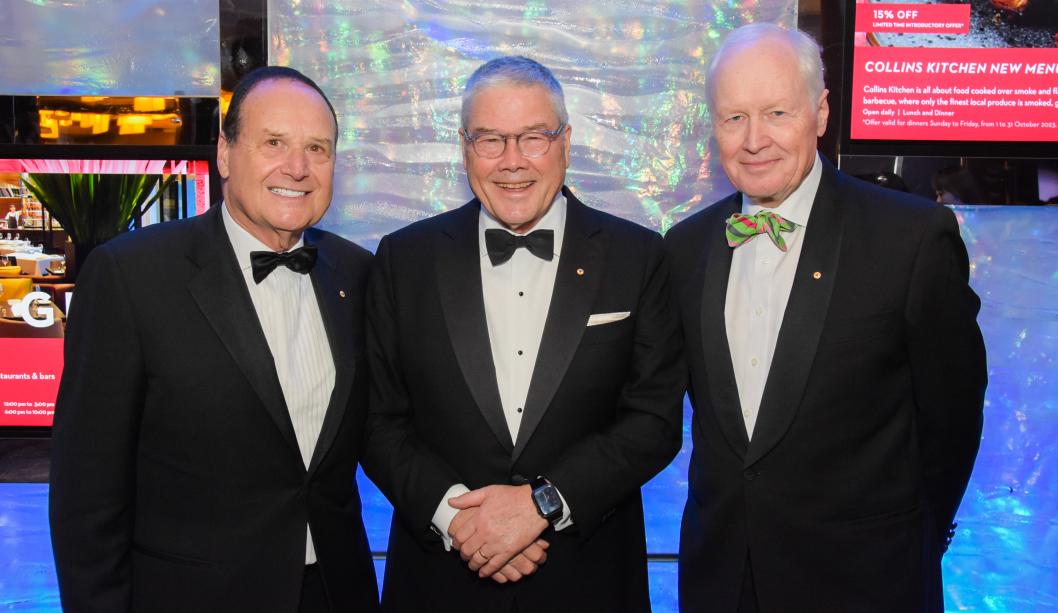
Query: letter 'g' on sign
x,y
45,315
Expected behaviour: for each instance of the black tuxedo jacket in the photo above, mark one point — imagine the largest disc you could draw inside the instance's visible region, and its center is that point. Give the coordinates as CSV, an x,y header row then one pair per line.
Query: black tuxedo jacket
x,y
870,420
603,413
176,480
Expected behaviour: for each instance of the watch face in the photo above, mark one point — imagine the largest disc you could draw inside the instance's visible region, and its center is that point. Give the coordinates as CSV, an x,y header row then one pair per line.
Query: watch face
x,y
548,501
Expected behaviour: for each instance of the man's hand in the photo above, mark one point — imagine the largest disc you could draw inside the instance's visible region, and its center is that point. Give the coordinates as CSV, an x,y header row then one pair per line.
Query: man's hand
x,y
462,518
523,564
506,524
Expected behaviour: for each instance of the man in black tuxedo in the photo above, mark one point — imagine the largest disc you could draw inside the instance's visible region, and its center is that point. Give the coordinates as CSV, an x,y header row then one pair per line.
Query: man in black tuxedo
x,y
527,376
211,410
837,370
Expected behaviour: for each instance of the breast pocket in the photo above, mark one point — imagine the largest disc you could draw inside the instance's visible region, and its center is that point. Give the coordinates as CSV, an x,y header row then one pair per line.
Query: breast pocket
x,y
607,333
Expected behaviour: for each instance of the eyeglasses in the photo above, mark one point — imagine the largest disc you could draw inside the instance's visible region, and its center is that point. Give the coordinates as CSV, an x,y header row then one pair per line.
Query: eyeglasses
x,y
532,144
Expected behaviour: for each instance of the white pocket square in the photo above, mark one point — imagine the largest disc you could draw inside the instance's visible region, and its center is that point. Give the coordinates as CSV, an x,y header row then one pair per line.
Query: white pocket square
x,y
607,318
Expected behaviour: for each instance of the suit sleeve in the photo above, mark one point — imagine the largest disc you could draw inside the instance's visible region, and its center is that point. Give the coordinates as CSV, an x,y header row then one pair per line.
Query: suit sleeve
x,y
409,473
94,443
604,469
948,370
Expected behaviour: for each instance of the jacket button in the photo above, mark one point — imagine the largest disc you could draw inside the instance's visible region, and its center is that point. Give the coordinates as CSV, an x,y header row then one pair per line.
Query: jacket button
x,y
749,474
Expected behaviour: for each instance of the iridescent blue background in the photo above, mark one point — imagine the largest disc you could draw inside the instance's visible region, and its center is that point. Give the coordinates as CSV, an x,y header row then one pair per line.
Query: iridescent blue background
x,y
110,48
633,74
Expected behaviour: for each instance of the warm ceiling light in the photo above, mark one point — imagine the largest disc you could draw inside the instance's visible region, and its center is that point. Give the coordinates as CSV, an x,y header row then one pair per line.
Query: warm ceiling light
x,y
49,127
100,123
133,124
145,104
225,100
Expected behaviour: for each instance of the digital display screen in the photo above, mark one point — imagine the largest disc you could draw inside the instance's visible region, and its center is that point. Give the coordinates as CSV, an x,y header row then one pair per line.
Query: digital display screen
x,y
976,70
37,284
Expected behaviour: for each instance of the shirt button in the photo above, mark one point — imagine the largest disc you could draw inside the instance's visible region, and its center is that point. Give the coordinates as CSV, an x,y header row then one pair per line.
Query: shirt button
x,y
765,262
519,409
521,293
759,311
754,362
519,352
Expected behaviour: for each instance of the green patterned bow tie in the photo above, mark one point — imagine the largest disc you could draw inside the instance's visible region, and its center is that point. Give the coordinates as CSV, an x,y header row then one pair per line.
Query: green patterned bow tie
x,y
741,228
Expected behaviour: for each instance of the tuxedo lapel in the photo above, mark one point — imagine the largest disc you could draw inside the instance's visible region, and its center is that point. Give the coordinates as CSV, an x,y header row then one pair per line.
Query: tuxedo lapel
x,y
338,322
716,351
583,250
220,291
803,320
463,303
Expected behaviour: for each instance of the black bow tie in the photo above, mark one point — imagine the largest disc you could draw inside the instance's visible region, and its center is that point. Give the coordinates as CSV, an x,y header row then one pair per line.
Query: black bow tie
x,y
501,244
299,260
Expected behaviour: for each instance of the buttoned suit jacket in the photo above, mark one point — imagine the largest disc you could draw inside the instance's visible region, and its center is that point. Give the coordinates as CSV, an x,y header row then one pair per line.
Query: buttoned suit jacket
x,y
177,481
870,419
603,413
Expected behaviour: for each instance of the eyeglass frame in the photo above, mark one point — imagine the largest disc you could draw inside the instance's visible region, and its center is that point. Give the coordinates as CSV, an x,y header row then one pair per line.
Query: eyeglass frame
x,y
551,135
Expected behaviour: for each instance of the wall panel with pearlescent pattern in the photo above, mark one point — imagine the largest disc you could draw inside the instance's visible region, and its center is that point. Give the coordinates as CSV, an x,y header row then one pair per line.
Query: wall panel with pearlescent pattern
x,y
633,73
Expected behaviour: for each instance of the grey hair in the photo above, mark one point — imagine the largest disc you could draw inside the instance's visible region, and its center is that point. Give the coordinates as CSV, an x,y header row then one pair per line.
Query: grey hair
x,y
807,50
513,70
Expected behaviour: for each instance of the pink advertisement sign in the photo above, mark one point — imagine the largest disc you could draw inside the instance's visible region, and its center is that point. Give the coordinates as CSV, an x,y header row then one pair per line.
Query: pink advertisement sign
x,y
950,72
30,376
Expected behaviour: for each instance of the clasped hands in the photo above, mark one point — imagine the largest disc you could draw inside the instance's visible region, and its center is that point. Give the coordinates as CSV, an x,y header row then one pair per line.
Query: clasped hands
x,y
497,532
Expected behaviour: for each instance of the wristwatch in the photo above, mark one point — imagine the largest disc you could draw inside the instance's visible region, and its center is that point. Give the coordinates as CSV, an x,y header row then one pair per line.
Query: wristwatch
x,y
545,497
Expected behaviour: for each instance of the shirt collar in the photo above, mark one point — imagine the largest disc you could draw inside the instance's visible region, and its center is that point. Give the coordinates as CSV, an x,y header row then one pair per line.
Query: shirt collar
x,y
243,242
798,205
554,219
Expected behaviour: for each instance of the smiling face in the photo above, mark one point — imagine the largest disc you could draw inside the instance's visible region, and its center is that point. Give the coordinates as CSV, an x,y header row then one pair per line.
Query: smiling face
x,y
764,122
278,173
514,189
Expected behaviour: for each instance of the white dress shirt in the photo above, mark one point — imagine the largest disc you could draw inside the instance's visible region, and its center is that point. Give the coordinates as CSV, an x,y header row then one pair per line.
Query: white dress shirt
x,y
758,288
290,316
517,297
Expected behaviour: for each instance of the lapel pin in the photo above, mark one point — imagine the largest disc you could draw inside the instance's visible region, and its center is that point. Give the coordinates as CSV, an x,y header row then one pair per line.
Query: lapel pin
x,y
341,292
580,272
817,275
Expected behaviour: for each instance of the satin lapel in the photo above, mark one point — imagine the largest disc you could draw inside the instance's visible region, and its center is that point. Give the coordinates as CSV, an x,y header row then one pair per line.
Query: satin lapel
x,y
337,316
459,283
582,248
220,291
723,391
802,323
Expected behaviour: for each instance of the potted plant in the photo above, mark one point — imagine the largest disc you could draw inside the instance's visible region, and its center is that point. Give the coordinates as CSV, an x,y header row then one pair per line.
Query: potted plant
x,y
93,208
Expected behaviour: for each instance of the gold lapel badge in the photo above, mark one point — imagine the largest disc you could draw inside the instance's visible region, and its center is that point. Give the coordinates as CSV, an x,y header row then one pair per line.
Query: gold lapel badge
x,y
341,292
580,272
817,275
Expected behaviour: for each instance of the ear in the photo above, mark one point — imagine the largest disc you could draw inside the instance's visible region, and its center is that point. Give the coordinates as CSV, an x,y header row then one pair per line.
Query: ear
x,y
822,113
567,143
222,157
464,147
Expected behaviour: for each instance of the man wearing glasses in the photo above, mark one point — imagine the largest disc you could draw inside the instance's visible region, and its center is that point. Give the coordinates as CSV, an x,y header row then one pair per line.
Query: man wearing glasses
x,y
527,376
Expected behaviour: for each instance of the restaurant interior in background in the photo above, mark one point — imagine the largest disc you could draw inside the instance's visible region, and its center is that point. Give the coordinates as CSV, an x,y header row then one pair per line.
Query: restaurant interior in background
x,y
52,223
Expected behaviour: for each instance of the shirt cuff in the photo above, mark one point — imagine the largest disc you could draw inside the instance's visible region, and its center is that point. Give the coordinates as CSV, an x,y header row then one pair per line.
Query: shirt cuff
x,y
445,513
567,515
